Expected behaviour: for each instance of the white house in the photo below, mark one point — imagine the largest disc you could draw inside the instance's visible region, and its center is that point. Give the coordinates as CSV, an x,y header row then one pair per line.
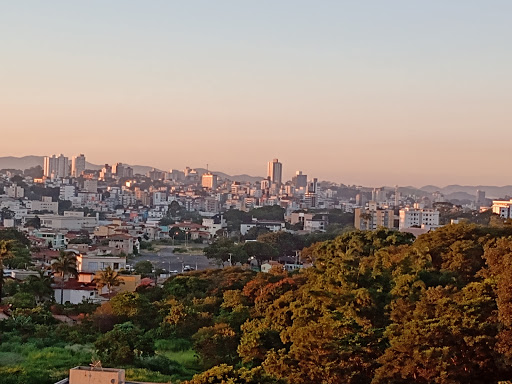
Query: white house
x,y
271,225
93,263
214,224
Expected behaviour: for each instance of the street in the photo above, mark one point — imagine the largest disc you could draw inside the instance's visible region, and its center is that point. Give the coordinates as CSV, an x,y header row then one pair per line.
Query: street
x,y
165,258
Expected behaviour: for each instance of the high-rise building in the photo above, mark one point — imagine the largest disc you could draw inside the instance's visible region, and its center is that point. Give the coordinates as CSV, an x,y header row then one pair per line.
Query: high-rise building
x,y
77,165
310,198
379,195
91,186
56,166
480,198
106,172
122,170
300,180
275,171
209,180
49,165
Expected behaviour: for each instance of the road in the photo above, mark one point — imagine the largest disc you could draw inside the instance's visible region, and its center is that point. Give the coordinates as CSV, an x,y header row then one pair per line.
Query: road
x,y
166,259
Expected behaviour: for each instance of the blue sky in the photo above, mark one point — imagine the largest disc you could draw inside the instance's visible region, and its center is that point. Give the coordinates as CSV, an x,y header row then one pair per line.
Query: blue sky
x,y
366,92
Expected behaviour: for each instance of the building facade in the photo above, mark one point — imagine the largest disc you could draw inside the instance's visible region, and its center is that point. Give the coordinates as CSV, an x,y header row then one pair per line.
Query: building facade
x,y
77,165
275,171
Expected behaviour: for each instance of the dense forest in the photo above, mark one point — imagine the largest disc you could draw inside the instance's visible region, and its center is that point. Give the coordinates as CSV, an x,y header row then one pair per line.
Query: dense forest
x,y
376,307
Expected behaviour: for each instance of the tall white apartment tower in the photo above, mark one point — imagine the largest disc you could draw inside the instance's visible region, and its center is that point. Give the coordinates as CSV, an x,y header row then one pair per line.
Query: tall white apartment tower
x,y
62,166
77,165
56,166
275,171
50,165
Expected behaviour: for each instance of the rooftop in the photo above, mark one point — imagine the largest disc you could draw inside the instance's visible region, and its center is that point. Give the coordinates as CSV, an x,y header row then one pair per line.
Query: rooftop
x,y
96,375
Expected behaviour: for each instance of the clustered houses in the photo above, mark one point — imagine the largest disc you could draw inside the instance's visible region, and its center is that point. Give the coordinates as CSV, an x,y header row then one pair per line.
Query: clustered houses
x,y
68,197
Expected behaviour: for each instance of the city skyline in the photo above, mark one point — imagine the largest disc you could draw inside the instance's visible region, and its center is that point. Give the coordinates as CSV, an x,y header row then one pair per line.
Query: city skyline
x,y
365,94
288,175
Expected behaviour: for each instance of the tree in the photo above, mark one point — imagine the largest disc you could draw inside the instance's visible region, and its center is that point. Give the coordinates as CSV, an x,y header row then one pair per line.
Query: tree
x,y
174,208
234,218
123,344
285,243
270,212
14,235
64,205
65,266
448,338
226,374
39,286
254,232
166,221
177,234
260,251
143,268
34,172
216,345
135,307
33,222
220,249
5,254
366,218
108,278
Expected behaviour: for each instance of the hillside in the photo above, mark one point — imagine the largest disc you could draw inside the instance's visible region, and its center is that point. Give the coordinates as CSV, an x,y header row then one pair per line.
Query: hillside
x,y
491,191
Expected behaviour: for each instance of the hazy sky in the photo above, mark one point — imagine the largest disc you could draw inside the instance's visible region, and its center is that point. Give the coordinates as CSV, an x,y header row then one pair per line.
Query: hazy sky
x,y
365,92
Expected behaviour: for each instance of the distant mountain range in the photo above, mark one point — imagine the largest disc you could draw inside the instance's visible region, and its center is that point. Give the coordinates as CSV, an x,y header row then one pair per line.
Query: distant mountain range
x,y
25,162
491,191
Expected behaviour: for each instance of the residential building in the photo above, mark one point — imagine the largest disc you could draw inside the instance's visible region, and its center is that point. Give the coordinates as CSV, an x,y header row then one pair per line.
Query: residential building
x,y
311,196
106,172
379,195
502,208
45,205
311,222
209,181
15,191
90,263
77,165
300,180
419,218
122,170
67,192
52,239
155,174
480,199
76,292
121,242
91,186
67,221
371,218
214,224
271,225
56,167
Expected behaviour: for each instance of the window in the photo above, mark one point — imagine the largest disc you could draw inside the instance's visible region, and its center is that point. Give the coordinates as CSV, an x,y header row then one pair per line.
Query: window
x,y
93,266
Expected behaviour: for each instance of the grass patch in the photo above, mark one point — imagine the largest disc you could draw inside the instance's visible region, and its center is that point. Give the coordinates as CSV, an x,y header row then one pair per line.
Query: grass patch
x,y
142,374
186,358
10,358
29,364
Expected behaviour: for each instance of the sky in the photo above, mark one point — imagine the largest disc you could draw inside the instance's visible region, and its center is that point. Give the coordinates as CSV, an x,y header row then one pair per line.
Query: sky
x,y
366,92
